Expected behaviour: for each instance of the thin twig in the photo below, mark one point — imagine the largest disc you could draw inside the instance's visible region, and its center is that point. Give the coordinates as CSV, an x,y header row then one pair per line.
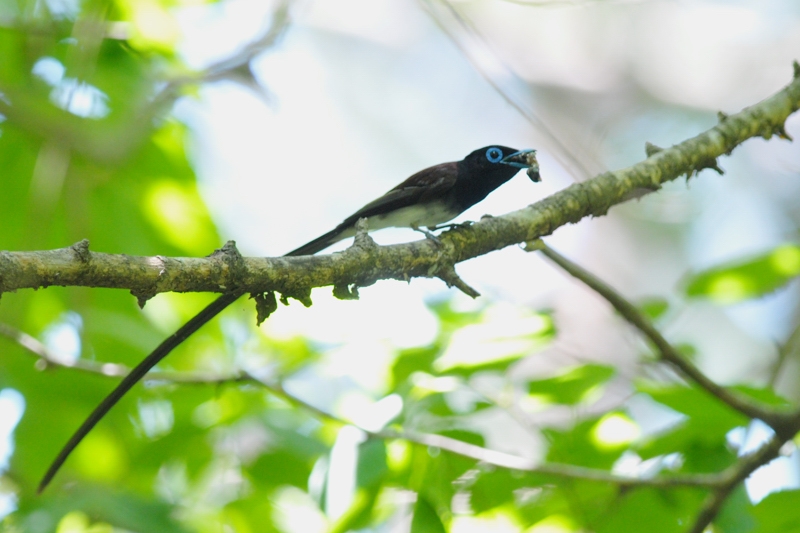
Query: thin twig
x,y
735,475
665,350
47,358
501,459
243,58
788,349
783,423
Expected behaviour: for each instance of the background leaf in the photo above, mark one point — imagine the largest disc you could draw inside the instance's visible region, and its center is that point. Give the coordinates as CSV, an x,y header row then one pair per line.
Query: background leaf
x,y
750,278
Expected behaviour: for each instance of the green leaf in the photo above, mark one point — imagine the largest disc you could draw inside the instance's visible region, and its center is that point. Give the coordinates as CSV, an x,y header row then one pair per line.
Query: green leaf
x,y
746,279
371,473
426,520
358,515
56,402
650,510
492,347
431,404
292,452
699,406
179,215
777,513
694,449
469,437
433,473
736,515
689,351
413,360
18,155
121,509
653,308
290,429
280,467
251,514
767,396
560,498
372,466
451,319
581,446
700,438
495,488
573,385
293,354
499,364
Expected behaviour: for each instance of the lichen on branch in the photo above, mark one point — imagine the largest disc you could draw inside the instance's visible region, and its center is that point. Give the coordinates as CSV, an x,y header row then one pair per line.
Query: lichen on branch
x,y
362,265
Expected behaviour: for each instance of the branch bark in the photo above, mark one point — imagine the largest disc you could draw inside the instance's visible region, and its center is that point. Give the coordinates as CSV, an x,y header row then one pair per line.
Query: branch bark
x,y
360,266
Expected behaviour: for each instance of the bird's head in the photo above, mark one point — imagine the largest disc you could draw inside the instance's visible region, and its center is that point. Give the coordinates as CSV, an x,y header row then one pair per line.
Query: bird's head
x,y
487,168
504,161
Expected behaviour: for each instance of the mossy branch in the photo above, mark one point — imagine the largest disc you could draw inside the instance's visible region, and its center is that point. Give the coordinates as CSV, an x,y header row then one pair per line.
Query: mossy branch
x,y
359,266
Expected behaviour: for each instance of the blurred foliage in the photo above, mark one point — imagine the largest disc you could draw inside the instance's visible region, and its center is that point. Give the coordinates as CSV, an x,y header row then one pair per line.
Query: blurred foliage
x,y
88,150
571,386
749,278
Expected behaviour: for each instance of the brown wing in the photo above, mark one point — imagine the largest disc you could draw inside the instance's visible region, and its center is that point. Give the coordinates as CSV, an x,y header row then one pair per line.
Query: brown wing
x,y
418,188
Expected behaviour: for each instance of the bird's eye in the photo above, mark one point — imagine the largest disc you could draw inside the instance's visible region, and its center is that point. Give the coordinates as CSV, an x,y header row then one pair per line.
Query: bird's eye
x,y
494,155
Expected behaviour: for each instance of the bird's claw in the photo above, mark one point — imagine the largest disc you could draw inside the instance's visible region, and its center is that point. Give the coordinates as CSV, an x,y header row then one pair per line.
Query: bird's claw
x,y
428,233
456,225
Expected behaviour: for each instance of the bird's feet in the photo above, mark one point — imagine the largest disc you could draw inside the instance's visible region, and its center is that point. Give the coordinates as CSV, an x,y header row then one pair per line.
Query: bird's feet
x,y
464,224
428,234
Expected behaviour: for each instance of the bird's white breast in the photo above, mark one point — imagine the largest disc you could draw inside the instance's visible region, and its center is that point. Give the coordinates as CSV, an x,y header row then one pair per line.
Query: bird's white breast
x,y
425,215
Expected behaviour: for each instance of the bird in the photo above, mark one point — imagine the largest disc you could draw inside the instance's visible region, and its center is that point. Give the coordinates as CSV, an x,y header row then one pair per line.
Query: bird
x,y
428,198
434,195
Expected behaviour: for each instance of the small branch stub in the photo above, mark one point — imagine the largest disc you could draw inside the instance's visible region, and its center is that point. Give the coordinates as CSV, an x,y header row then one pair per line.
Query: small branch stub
x,y
141,298
362,239
345,291
230,254
780,131
704,164
266,304
534,246
447,273
81,250
302,295
651,149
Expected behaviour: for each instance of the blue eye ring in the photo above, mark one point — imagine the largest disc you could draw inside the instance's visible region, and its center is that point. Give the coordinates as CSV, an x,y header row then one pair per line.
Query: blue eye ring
x,y
494,155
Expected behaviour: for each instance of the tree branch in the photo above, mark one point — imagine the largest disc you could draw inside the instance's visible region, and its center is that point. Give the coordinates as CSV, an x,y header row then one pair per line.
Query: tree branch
x,y
734,475
784,424
666,351
484,455
47,358
501,459
356,267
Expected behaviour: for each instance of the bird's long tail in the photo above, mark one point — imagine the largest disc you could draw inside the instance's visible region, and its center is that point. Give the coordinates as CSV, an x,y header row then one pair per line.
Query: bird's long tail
x,y
321,242
163,349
